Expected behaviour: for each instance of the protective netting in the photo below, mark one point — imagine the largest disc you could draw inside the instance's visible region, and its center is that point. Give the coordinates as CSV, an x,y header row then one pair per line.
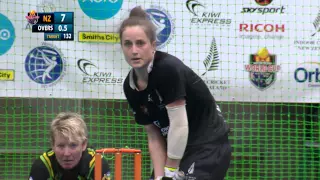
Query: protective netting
x,y
260,59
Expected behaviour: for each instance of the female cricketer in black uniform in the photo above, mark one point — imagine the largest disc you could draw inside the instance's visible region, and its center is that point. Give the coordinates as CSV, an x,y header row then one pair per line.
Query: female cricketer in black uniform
x,y
69,158
187,135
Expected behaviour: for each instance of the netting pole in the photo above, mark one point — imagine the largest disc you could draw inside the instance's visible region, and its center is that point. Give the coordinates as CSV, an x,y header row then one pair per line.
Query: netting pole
x,y
137,166
118,164
98,167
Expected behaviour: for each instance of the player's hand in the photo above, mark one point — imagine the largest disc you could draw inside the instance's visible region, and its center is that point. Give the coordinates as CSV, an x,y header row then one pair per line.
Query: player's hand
x,y
173,173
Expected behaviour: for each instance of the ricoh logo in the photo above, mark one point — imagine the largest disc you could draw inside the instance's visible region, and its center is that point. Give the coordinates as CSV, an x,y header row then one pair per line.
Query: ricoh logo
x,y
263,10
262,31
262,28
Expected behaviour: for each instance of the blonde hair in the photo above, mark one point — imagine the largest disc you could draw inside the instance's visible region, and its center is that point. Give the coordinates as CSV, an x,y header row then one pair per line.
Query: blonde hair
x,y
69,125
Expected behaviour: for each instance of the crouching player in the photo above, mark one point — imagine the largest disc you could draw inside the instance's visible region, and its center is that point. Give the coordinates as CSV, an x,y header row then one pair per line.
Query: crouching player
x,y
69,157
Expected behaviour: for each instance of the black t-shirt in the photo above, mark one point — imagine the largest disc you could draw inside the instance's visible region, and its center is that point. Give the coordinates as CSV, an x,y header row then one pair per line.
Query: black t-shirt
x,y
39,170
169,80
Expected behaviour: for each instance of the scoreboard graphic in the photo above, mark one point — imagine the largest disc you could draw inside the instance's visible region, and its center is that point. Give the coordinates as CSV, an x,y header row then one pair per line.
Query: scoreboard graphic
x,y
56,26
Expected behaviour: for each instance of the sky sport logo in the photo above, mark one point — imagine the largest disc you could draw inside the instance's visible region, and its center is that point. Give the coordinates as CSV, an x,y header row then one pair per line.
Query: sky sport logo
x,y
201,17
263,10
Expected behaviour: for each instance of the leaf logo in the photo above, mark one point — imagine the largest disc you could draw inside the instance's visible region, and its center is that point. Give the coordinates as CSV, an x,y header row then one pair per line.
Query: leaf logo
x,y
191,169
316,24
212,60
191,4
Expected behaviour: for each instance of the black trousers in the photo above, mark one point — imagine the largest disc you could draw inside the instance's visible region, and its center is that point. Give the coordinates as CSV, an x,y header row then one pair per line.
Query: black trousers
x,y
208,161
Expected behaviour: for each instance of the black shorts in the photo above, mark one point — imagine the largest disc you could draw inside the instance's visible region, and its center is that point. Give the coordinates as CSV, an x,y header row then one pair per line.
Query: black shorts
x,y
208,161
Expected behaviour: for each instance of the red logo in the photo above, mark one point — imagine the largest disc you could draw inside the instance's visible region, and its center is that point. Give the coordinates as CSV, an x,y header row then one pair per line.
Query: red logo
x,y
262,28
263,2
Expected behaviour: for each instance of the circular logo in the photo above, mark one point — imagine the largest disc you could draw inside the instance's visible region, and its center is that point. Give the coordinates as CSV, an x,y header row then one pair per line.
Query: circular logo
x,y
263,2
46,6
44,65
100,9
7,34
164,25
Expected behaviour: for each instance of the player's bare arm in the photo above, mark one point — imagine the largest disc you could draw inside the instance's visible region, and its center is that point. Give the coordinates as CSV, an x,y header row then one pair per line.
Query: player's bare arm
x,y
157,149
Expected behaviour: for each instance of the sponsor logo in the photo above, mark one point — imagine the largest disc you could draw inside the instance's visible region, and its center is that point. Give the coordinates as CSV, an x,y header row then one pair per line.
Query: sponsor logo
x,y
164,130
100,9
263,2
217,84
46,6
6,75
211,63
308,73
262,69
92,74
45,65
212,60
7,34
165,27
192,6
263,10
190,172
191,168
202,17
32,18
98,37
255,31
311,44
316,24
262,28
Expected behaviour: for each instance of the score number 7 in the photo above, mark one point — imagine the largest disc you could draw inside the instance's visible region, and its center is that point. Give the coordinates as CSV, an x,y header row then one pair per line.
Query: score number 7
x,y
63,16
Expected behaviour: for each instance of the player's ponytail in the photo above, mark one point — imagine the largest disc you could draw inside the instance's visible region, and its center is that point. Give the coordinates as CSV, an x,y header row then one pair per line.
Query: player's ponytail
x,y
138,12
138,17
